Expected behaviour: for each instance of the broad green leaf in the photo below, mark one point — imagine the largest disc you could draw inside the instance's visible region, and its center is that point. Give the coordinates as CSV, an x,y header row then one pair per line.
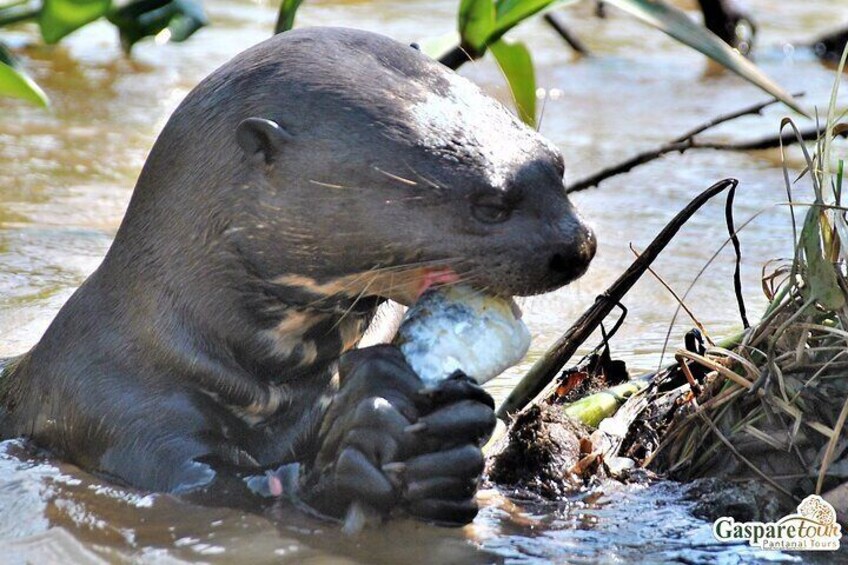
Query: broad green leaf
x,y
476,20
285,19
677,24
510,13
821,280
517,65
146,18
15,84
58,18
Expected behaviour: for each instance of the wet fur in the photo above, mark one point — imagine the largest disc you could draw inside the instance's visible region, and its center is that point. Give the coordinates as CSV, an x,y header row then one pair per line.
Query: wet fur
x,y
208,337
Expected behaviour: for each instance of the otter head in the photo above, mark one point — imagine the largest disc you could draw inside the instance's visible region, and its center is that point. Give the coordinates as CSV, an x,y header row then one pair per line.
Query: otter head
x,y
354,165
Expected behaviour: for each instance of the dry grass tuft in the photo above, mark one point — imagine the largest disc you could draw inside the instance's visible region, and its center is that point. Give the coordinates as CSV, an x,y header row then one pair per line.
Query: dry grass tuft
x,y
775,398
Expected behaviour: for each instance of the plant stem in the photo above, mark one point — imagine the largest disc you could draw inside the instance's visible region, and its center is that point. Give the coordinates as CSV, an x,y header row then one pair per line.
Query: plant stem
x,y
566,34
457,57
591,409
17,13
547,367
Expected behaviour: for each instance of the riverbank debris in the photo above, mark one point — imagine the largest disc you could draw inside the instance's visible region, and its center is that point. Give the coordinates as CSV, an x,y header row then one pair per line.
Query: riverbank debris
x,y
768,405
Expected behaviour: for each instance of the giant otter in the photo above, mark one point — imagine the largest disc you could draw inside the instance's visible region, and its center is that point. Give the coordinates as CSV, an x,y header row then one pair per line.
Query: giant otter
x,y
300,185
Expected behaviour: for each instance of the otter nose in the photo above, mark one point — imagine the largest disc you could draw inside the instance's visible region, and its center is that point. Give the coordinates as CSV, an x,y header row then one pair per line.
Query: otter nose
x,y
572,260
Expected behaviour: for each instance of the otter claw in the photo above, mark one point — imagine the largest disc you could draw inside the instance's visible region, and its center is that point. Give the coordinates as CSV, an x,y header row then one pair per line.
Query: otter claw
x,y
415,428
396,467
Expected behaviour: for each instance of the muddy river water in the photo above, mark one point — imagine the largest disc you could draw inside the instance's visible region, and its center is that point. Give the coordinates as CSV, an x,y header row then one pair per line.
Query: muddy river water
x,y
66,176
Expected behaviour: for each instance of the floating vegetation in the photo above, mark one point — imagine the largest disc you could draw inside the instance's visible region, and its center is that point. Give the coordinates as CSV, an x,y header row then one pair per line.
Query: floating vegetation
x,y
769,404
774,402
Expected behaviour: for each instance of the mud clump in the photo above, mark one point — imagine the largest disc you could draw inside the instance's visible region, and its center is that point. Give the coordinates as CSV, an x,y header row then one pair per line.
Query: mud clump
x,y
539,453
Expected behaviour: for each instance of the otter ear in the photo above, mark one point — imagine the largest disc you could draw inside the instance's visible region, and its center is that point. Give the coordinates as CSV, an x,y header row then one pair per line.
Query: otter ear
x,y
258,136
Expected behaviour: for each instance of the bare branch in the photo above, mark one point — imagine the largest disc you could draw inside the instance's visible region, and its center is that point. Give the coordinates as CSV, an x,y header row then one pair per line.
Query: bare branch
x,y
552,361
566,34
688,141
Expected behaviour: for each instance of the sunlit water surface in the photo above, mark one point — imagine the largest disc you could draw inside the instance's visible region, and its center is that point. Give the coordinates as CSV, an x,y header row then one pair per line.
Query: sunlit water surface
x,y
67,174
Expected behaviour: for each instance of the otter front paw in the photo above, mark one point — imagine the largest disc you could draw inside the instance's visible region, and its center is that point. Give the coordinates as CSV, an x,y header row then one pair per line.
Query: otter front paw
x,y
393,445
440,478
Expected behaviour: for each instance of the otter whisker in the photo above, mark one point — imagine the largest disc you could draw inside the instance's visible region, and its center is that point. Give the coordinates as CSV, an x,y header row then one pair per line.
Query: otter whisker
x,y
396,177
414,265
395,272
353,304
353,281
391,270
429,181
405,199
329,185
420,264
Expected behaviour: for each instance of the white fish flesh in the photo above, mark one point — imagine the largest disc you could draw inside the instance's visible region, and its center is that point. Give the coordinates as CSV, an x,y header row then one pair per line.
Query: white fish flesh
x,y
454,328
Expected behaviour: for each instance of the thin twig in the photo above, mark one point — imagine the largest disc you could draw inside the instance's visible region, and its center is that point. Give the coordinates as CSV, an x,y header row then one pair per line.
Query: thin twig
x,y
679,300
768,142
695,280
690,378
744,460
547,367
776,401
737,271
688,141
831,445
718,120
567,35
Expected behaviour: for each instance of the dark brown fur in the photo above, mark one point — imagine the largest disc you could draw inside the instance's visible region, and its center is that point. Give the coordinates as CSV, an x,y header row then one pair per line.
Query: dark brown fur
x,y
307,180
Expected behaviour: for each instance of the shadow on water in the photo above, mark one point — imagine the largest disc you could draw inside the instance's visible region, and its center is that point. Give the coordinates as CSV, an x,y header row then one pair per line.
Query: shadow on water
x,y
66,178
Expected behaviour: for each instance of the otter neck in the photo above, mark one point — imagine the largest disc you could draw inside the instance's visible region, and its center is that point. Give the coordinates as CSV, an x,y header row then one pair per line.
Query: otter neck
x,y
309,335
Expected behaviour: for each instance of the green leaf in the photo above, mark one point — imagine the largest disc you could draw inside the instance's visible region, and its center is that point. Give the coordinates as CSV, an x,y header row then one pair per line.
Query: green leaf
x,y
483,22
476,21
677,24
510,13
285,19
146,18
15,83
517,65
821,281
58,18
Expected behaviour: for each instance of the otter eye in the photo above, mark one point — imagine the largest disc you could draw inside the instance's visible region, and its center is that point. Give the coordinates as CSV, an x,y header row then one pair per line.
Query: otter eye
x,y
491,214
490,210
